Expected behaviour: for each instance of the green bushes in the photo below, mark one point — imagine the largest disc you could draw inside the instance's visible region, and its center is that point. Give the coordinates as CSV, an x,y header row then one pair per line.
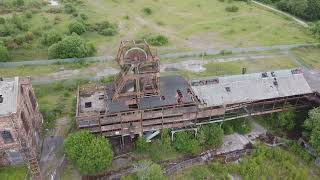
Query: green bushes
x,y
70,47
210,135
185,142
150,171
241,126
90,154
279,122
51,37
77,27
105,28
232,8
147,11
265,163
4,54
315,29
312,128
306,9
157,40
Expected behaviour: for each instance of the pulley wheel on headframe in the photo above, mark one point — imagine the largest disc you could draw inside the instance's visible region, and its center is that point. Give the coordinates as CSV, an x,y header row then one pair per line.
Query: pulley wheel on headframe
x,y
135,54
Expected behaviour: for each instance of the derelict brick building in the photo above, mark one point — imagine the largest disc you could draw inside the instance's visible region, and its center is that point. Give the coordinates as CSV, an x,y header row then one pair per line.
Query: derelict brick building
x,y
20,123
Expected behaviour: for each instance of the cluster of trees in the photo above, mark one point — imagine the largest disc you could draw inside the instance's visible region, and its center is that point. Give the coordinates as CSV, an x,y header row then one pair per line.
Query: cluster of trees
x,y
185,142
306,9
71,46
312,128
280,122
89,154
241,126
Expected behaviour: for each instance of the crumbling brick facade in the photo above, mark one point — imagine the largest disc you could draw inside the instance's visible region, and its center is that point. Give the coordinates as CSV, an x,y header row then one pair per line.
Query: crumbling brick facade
x,y
20,123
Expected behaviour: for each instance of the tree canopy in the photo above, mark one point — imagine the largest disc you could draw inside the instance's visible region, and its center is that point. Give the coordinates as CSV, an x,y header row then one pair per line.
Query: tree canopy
x,y
210,135
150,171
90,154
185,142
71,47
312,125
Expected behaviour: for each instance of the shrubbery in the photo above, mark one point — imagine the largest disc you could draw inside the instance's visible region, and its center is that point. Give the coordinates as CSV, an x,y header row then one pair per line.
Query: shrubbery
x,y
147,11
210,135
77,27
185,142
90,154
51,37
306,9
105,28
312,126
241,126
232,8
157,40
315,29
70,47
4,54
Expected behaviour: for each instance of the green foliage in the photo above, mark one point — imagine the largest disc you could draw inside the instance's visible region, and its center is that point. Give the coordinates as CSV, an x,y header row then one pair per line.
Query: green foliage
x,y
13,172
315,29
280,122
69,8
147,11
157,40
105,28
232,8
312,126
273,163
70,47
150,171
241,126
141,145
185,142
306,9
51,37
4,54
298,150
77,27
90,154
210,135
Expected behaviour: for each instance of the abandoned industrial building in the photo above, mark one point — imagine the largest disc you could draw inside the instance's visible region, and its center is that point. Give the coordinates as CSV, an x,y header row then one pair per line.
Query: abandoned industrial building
x,y
140,101
20,123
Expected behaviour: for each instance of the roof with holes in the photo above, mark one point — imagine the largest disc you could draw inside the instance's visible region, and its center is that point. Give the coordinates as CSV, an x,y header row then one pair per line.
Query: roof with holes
x,y
9,93
250,87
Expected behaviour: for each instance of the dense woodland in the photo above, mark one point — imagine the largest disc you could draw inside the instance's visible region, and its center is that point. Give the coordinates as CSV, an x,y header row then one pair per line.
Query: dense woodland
x,y
305,9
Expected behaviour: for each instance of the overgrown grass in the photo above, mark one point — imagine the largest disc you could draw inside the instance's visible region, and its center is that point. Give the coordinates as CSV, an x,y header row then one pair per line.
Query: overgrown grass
x,y
309,56
13,173
56,100
264,163
235,67
192,25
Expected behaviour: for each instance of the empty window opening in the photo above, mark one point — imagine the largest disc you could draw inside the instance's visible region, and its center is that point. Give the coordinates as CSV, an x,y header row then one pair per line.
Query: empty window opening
x,y
163,98
1,99
24,122
88,105
7,137
264,75
133,106
228,89
101,97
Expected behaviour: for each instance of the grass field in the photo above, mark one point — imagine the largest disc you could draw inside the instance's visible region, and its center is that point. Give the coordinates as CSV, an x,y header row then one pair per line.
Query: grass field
x,y
188,24
13,173
235,67
310,57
